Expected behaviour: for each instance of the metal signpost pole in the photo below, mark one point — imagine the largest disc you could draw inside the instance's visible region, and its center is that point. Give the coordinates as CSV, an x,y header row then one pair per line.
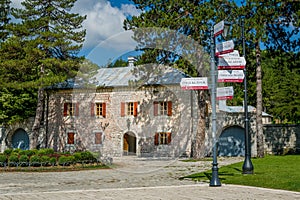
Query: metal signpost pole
x,y
215,177
247,166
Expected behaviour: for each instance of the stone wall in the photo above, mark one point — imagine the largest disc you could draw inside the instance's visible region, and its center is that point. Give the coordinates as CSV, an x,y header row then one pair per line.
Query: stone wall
x,y
281,138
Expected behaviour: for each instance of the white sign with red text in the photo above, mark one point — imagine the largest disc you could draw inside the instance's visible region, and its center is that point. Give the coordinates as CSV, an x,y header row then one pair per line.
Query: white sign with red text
x,y
224,47
197,83
235,53
224,93
231,62
218,28
232,76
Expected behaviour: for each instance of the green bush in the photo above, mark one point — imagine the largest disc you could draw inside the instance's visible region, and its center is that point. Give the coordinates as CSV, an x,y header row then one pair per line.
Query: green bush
x,y
77,157
63,161
29,152
24,161
87,157
71,160
7,152
45,152
13,160
3,160
17,151
35,161
45,160
52,161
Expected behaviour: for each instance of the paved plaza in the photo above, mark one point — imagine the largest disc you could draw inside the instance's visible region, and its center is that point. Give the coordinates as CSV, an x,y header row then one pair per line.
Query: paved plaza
x,y
130,178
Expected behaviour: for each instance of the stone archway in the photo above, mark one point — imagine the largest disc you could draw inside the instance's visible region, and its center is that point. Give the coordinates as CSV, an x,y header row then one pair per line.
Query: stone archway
x,y
20,139
129,144
232,142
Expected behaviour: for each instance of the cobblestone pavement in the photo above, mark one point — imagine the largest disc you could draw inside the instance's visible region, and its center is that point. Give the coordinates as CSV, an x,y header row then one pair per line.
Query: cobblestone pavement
x,y
130,178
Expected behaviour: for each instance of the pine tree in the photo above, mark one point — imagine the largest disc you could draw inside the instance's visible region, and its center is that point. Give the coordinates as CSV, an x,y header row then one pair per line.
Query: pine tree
x,y
51,37
4,18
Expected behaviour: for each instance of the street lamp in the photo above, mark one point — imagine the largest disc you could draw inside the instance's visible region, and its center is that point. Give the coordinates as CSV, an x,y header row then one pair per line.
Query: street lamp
x,y
214,181
247,166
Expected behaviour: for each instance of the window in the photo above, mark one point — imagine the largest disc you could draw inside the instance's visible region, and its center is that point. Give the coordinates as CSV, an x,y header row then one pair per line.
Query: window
x,y
162,108
129,109
162,138
70,138
98,137
98,109
71,109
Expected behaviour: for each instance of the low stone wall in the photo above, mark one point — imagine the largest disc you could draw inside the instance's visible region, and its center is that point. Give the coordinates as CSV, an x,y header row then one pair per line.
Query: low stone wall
x,y
282,139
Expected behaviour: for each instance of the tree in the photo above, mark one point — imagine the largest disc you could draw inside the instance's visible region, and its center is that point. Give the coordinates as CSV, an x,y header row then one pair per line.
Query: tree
x,y
4,18
269,22
178,29
51,36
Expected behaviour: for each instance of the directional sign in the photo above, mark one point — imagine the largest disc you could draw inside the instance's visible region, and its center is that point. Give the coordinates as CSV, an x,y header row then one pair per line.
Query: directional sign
x,y
224,47
228,62
235,53
231,76
218,28
224,93
198,83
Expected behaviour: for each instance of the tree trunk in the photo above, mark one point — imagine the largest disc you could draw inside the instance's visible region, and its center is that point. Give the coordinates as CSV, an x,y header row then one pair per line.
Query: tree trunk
x,y
199,143
259,125
38,114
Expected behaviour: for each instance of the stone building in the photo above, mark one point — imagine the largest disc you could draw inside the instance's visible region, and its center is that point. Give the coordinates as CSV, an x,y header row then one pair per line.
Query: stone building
x,y
135,110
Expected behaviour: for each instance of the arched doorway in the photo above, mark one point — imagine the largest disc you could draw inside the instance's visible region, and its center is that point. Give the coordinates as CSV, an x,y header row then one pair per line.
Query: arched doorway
x,y
129,144
20,140
232,142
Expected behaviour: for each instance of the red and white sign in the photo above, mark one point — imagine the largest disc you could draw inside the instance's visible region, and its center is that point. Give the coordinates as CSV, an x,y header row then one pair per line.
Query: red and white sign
x,y
224,93
229,62
218,28
197,83
233,76
224,47
235,53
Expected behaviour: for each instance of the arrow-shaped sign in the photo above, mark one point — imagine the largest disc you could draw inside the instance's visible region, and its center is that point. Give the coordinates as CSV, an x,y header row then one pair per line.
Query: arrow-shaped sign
x,y
224,47
235,53
197,83
218,28
228,62
224,93
231,76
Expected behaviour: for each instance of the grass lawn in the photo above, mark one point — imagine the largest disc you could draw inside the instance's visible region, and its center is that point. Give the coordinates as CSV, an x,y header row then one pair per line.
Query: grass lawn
x,y
277,172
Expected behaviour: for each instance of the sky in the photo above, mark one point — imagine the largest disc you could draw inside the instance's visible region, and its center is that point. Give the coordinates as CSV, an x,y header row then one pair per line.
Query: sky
x,y
106,40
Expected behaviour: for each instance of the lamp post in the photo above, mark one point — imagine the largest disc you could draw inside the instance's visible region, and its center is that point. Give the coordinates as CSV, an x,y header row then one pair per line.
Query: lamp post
x,y
214,181
247,166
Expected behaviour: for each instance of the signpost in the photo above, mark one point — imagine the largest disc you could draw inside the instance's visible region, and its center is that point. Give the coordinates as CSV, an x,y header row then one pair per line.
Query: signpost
x,y
197,83
232,76
224,47
231,62
235,53
218,28
224,93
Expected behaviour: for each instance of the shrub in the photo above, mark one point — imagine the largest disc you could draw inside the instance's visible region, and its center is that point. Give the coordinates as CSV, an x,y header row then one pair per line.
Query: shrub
x,y
52,161
24,160
13,160
71,160
77,157
88,157
3,160
30,153
45,152
7,152
63,161
17,151
35,161
45,160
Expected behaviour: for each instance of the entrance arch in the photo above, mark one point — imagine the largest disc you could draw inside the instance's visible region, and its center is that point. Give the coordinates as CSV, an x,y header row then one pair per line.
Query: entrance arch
x,y
129,144
20,140
232,142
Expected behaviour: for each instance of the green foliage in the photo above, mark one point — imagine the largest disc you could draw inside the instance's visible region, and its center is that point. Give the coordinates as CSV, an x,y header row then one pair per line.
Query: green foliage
x,y
77,157
24,161
7,152
87,157
118,63
3,160
35,161
53,161
13,160
47,151
45,160
29,152
63,161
